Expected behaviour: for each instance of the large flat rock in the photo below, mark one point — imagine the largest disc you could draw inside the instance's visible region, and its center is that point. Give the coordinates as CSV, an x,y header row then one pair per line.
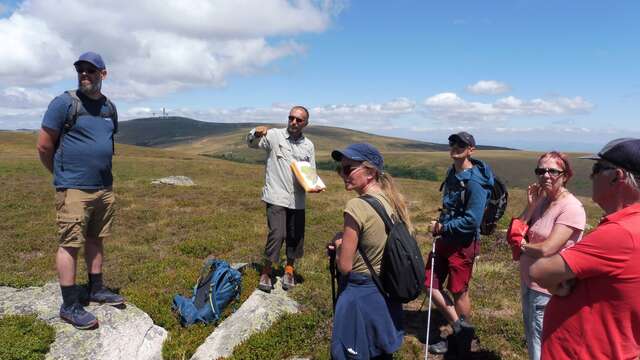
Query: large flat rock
x,y
256,314
127,333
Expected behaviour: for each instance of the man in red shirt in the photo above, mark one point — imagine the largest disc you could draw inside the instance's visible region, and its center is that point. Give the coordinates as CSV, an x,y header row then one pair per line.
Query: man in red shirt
x,y
595,310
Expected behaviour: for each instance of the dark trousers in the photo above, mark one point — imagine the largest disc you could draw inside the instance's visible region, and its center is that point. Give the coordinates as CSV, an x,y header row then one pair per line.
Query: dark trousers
x,y
285,226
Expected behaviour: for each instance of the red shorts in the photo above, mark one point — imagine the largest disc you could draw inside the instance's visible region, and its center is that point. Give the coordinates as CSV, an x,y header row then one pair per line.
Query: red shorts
x,y
454,262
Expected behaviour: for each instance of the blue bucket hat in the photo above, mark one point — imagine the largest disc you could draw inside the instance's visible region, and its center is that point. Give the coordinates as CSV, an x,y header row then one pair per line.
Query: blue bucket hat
x,y
91,58
360,152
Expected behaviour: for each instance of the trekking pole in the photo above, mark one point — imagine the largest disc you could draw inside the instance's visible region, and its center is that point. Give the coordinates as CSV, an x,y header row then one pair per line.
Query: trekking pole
x,y
332,270
433,261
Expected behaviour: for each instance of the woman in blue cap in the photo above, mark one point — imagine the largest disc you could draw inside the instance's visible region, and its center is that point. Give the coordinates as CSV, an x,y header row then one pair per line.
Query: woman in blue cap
x,y
366,324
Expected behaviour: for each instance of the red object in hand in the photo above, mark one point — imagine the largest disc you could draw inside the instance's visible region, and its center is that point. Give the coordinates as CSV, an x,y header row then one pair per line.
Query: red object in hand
x,y
517,230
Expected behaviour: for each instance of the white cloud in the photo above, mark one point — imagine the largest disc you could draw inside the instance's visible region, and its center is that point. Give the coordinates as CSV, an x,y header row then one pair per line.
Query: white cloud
x,y
31,53
23,98
151,47
22,107
451,107
488,87
356,116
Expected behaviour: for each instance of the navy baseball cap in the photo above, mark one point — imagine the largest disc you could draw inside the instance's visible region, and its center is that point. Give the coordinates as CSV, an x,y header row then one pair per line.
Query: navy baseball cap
x,y
463,136
91,58
360,152
622,152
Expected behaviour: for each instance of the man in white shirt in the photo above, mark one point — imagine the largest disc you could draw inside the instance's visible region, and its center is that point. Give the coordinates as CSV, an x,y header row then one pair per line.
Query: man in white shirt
x,y
283,195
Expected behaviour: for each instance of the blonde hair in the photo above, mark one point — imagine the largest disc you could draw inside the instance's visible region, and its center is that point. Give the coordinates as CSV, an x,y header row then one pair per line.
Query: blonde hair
x,y
390,189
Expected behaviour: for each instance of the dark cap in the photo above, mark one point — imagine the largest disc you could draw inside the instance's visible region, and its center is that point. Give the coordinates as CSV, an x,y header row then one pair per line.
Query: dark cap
x,y
360,152
465,137
623,153
91,58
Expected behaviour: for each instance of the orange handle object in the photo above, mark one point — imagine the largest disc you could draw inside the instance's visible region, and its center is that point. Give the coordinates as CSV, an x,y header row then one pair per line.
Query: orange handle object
x,y
515,234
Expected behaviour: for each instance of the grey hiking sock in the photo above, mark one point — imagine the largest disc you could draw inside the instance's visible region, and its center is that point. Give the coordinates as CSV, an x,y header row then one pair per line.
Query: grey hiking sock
x,y
95,282
69,295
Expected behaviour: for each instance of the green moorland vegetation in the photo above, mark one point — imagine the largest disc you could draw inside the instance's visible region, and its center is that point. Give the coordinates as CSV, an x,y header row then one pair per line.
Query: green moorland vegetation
x,y
403,158
162,234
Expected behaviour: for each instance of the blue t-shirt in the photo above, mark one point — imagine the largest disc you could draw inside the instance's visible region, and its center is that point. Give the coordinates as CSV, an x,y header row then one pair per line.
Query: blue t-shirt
x,y
83,157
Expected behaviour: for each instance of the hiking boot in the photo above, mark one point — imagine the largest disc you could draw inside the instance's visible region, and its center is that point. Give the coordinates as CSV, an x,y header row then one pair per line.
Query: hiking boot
x,y
106,296
77,316
439,348
265,283
288,280
464,338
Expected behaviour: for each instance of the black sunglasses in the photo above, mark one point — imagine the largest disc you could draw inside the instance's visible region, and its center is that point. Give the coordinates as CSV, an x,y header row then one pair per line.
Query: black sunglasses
x,y
458,143
551,171
600,167
86,69
346,170
297,119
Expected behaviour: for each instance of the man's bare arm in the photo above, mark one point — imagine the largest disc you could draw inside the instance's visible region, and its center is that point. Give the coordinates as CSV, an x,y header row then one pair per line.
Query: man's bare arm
x,y
47,140
553,274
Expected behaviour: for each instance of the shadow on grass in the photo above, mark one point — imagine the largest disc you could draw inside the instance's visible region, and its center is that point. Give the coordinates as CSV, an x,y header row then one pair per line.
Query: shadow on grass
x,y
415,324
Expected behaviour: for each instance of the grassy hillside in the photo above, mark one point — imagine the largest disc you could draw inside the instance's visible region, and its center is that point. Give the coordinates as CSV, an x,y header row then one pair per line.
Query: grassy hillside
x,y
201,137
404,158
162,234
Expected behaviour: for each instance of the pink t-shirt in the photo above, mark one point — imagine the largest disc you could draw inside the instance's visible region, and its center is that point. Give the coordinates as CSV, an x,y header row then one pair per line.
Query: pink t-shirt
x,y
568,211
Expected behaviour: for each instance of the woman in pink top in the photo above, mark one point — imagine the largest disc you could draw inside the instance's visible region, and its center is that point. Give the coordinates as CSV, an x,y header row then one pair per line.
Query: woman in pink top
x,y
556,220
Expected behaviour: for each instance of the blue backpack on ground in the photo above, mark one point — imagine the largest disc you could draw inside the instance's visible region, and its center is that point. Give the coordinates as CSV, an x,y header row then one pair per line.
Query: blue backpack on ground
x,y
217,286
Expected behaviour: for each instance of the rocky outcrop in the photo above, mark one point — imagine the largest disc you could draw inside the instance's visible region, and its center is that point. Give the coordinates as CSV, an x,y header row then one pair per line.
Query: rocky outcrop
x,y
127,333
256,314
174,180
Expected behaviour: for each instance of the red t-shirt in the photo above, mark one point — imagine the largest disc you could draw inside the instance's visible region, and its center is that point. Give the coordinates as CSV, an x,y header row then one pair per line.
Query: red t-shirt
x,y
600,318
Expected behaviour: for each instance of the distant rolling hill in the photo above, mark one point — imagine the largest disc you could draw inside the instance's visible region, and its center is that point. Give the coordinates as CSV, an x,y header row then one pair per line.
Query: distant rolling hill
x,y
202,137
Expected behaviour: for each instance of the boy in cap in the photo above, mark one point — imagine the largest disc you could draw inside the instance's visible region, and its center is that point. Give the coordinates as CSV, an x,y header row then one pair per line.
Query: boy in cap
x,y
76,145
465,191
594,312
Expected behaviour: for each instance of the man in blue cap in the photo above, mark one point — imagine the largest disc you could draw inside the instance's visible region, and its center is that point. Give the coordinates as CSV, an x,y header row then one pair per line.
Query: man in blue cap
x,y
466,189
594,312
76,145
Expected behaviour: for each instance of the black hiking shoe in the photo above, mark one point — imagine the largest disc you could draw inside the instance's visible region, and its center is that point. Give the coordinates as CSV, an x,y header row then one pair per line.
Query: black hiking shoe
x,y
77,316
463,339
106,296
288,281
265,283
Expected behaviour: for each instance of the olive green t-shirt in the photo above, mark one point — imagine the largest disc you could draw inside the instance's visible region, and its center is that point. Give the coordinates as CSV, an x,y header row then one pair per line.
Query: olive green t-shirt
x,y
372,236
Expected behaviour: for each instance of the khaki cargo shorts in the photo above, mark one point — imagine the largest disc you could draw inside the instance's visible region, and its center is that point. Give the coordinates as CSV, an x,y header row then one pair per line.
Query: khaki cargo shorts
x,y
83,214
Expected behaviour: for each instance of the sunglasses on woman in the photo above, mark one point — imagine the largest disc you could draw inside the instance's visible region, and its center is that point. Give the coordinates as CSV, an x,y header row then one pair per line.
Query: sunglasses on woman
x,y
551,171
346,170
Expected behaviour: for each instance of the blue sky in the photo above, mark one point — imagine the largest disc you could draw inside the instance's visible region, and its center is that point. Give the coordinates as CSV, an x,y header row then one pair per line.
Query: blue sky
x,y
529,74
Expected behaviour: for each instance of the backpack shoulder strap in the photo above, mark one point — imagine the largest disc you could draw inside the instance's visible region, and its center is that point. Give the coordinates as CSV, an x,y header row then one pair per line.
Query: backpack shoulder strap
x,y
113,112
72,113
374,276
379,208
388,223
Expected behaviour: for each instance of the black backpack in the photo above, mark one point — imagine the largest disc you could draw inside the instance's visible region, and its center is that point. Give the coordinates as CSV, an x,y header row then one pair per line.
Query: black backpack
x,y
495,207
402,271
